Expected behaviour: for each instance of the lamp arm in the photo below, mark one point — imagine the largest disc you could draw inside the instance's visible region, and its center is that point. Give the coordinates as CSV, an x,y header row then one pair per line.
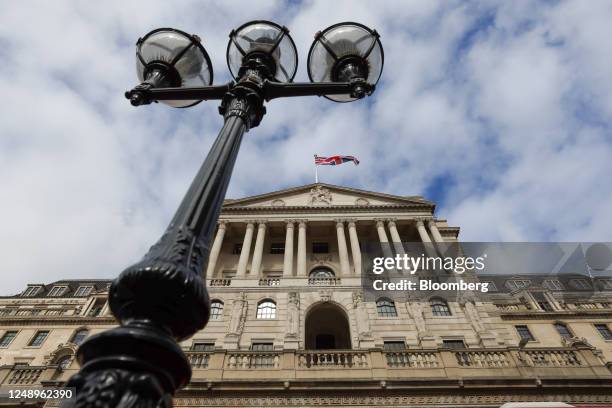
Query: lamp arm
x,y
144,93
357,88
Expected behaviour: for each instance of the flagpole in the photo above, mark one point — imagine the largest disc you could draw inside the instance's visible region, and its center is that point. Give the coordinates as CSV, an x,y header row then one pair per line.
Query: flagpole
x,y
316,170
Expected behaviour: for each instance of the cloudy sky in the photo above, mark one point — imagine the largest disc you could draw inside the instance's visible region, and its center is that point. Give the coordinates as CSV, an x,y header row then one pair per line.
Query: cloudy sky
x,y
498,111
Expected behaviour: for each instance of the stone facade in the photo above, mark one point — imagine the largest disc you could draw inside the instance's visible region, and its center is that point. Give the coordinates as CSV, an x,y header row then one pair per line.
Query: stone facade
x,y
290,326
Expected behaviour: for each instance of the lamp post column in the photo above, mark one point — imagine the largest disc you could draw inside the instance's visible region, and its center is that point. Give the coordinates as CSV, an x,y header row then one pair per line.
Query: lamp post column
x,y
163,299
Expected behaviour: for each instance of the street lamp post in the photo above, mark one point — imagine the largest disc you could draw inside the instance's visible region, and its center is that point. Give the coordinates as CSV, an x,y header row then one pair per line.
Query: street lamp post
x,y
163,299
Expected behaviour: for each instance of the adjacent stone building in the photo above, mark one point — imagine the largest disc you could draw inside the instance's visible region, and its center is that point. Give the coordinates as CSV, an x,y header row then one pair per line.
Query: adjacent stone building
x,y
290,326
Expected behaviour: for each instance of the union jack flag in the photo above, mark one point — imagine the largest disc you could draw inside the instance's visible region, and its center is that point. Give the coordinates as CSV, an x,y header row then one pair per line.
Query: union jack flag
x,y
334,160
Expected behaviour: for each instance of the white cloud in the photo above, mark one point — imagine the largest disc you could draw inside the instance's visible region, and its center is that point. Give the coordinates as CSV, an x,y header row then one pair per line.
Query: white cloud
x,y
504,105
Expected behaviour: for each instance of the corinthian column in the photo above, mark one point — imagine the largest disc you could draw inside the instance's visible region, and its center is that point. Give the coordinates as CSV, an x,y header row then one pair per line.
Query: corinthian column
x,y
429,248
435,233
384,241
244,253
288,258
258,252
345,269
397,241
422,231
301,255
356,251
215,250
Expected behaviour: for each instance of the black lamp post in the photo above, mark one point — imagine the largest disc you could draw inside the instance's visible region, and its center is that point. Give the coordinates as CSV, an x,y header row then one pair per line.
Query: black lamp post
x,y
163,299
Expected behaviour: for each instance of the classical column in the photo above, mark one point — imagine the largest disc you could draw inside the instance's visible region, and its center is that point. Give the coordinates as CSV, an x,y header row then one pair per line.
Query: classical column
x,y
215,250
384,241
246,248
435,233
422,231
288,258
345,269
259,246
301,255
428,245
397,241
356,251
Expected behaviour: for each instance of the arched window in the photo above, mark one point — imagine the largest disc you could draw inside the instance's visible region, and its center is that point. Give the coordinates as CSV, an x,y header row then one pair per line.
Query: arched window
x,y
266,309
386,308
564,331
439,307
64,362
79,336
321,272
216,309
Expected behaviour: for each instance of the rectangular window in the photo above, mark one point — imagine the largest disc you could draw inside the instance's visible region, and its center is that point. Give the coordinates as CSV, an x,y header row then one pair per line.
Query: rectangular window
x,y
237,249
57,291
277,248
563,330
7,338
201,346
552,284
97,307
544,305
517,284
262,347
453,344
394,345
83,290
31,291
580,284
604,330
525,333
39,338
320,248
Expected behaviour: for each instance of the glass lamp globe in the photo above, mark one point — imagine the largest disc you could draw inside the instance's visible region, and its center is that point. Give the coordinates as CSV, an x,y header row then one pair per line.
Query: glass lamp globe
x,y
343,52
266,42
177,56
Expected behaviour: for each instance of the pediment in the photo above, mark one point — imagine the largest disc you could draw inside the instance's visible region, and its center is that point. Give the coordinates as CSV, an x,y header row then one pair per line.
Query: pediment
x,y
325,195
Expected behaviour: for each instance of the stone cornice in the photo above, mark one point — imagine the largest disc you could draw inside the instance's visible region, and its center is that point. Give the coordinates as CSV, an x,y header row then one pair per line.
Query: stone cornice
x,y
563,314
332,208
55,320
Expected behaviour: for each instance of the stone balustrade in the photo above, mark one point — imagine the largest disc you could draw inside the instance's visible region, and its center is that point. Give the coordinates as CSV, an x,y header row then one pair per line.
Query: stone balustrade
x,y
198,359
412,359
24,375
252,359
332,359
220,282
484,359
553,358
269,282
217,365
324,281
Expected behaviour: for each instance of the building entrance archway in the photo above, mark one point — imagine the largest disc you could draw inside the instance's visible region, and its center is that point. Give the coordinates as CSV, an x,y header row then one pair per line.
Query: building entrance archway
x,y
327,328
